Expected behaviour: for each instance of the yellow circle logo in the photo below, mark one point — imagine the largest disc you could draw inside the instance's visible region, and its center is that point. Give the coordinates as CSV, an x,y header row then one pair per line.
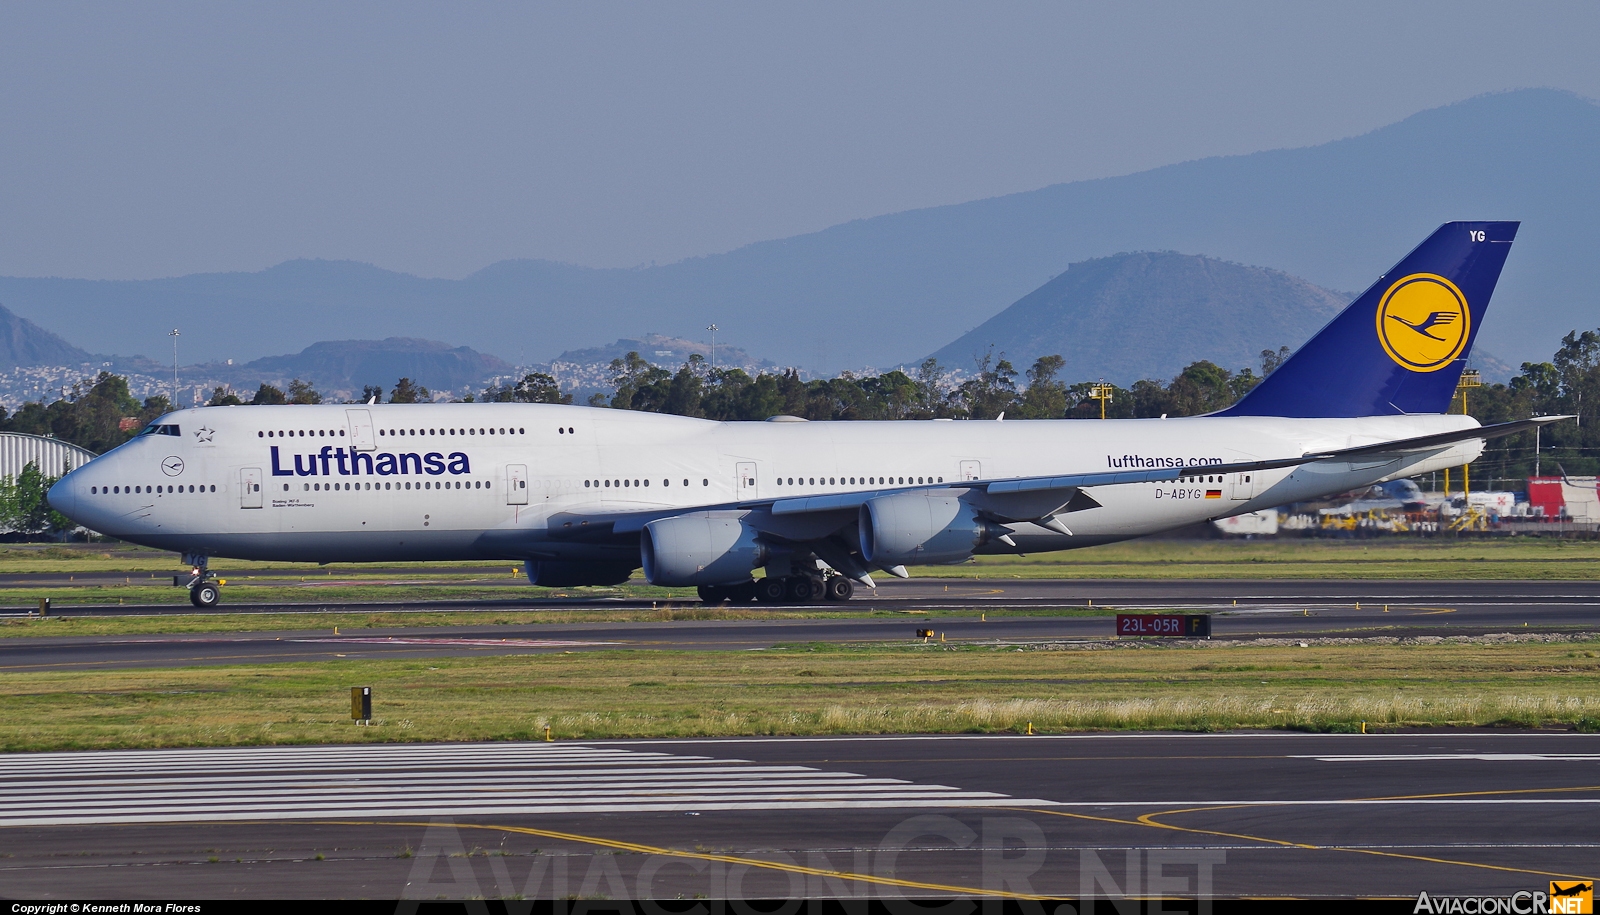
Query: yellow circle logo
x,y
1423,322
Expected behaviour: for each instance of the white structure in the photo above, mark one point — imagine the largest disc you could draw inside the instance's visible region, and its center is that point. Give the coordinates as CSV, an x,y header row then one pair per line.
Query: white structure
x,y
53,456
1263,523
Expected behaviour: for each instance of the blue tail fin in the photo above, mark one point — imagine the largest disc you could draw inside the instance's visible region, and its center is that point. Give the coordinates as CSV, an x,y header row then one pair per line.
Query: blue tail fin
x,y
1400,347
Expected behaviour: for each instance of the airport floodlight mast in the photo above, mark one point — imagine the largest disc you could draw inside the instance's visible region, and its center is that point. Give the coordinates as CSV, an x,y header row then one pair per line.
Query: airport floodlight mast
x,y
174,335
1102,393
713,329
1471,378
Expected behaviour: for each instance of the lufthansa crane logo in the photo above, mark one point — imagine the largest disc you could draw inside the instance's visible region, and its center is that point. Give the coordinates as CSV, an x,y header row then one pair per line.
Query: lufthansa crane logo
x,y
1423,322
172,466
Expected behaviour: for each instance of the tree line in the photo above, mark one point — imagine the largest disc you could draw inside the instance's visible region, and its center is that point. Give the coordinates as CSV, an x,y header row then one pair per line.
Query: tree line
x,y
101,414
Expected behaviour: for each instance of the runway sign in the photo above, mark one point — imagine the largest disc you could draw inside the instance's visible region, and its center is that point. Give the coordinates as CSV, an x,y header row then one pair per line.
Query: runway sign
x,y
361,703
1165,625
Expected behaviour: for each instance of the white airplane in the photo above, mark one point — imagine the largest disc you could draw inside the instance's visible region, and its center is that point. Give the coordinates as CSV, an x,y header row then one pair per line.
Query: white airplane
x,y
586,496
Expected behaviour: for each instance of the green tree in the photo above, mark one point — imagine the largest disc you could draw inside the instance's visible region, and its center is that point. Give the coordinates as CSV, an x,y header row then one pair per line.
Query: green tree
x,y
1271,360
408,391
223,397
535,387
267,394
1200,388
302,392
23,504
371,393
1046,397
992,391
640,385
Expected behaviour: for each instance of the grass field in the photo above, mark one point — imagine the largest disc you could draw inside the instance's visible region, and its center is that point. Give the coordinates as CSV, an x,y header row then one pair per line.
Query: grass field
x,y
803,689
51,571
815,689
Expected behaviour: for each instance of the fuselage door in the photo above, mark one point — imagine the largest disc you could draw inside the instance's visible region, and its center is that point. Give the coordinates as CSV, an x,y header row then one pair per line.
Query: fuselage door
x,y
361,436
1243,486
516,484
746,484
970,470
250,487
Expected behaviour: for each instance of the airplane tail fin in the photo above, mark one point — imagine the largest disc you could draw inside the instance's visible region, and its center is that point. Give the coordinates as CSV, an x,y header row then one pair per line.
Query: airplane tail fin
x,y
1401,345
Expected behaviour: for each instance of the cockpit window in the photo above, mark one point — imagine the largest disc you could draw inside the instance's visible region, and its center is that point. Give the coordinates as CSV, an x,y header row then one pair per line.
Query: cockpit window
x,y
160,429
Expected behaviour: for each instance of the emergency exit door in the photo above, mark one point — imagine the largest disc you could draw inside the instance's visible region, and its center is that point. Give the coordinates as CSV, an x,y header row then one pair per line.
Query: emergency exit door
x,y
746,484
970,470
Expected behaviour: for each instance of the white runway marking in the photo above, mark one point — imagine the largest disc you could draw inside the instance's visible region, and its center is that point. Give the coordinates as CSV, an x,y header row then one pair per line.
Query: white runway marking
x,y
279,783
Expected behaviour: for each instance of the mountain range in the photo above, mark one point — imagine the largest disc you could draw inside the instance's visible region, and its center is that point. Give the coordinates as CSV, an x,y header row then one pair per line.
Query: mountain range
x,y
895,288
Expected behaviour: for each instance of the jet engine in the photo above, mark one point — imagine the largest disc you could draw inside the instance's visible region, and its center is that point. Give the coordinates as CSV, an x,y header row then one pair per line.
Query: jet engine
x,y
921,528
572,574
703,548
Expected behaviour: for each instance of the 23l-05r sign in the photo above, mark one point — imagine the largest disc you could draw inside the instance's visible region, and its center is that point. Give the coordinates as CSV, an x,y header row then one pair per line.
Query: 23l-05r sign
x,y
1170,625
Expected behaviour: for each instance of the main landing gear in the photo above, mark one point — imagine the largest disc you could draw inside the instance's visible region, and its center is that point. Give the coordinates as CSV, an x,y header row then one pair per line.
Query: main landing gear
x,y
205,588
788,589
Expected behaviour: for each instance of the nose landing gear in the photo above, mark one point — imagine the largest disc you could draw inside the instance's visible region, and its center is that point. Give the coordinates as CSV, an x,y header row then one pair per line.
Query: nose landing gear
x,y
205,588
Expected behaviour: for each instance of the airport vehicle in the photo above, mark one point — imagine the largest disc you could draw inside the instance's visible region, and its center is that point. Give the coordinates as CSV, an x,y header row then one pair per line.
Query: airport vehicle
x,y
586,496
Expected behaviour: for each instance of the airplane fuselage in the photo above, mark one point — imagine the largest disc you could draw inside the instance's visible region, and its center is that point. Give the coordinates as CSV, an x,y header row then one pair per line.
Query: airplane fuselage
x,y
393,482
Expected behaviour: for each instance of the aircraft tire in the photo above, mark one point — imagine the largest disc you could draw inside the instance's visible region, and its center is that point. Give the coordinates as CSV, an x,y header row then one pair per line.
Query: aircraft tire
x,y
838,588
712,594
205,595
742,593
802,590
771,590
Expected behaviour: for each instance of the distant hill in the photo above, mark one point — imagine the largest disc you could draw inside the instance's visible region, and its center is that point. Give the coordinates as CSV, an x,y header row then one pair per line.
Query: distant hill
x,y
1147,315
24,343
669,352
889,289
345,366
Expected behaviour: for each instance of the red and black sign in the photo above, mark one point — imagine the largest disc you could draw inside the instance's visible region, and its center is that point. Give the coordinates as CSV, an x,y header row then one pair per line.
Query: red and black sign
x,y
1165,625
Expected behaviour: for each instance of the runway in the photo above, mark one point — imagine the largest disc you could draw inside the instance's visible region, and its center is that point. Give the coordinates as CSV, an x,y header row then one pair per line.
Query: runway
x,y
1229,814
946,593
1241,609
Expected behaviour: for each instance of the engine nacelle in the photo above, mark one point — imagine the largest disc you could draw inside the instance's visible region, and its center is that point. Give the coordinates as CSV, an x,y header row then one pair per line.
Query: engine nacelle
x,y
921,528
703,548
572,574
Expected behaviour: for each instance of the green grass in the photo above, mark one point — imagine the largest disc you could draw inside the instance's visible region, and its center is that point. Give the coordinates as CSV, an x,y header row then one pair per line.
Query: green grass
x,y
1435,558
813,689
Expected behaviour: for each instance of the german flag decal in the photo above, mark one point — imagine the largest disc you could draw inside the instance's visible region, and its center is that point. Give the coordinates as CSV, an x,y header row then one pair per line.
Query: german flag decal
x,y
1213,494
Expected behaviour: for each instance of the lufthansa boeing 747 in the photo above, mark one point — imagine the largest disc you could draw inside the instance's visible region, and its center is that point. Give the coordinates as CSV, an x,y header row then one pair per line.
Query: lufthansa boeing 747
x,y
586,496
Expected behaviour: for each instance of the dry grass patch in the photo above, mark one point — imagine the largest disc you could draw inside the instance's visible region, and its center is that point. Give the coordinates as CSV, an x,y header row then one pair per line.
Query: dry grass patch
x,y
811,691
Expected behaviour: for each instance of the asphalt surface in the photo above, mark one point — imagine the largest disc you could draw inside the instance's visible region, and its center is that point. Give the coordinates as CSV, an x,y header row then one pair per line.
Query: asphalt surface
x,y
1233,815
1241,610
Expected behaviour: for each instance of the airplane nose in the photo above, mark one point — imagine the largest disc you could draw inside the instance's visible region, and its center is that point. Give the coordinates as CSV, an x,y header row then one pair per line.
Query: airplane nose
x,y
63,497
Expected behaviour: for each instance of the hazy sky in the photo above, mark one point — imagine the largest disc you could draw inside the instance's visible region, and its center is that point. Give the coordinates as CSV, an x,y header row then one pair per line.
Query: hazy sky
x,y
154,139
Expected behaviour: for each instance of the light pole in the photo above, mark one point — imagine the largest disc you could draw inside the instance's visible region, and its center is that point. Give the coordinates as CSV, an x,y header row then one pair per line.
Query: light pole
x,y
174,335
713,329
1102,392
